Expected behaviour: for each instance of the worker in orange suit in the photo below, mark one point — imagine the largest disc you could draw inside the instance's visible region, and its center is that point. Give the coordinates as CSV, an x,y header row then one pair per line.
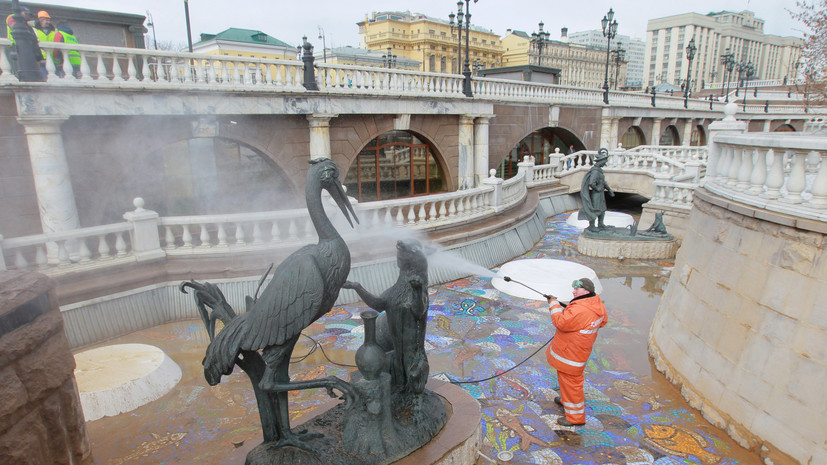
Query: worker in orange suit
x,y
577,326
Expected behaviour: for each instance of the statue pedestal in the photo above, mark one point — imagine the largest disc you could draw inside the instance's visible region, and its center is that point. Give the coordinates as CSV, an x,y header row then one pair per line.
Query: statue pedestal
x,y
457,443
615,247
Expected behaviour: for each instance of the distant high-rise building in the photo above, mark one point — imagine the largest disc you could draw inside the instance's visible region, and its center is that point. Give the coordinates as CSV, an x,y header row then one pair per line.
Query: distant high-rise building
x,y
635,51
431,41
717,33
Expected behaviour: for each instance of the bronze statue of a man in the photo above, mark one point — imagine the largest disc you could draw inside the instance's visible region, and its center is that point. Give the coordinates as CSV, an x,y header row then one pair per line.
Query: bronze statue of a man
x,y
591,193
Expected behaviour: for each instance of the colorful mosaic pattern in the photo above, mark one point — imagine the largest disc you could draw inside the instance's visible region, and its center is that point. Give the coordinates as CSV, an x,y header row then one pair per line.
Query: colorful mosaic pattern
x,y
634,416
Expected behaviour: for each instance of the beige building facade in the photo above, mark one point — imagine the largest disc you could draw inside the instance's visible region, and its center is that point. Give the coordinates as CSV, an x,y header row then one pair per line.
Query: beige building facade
x,y
431,41
580,65
742,34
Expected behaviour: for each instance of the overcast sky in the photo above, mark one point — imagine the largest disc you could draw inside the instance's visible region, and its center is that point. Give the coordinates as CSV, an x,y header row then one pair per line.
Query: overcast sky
x,y
290,20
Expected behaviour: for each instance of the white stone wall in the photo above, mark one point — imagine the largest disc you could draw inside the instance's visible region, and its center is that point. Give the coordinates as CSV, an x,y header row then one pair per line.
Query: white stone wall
x,y
742,328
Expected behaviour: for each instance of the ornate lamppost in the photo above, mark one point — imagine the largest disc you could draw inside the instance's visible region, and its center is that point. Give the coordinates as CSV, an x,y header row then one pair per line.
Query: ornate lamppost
x,y
609,32
728,60
324,44
389,60
539,40
690,55
466,67
749,70
618,55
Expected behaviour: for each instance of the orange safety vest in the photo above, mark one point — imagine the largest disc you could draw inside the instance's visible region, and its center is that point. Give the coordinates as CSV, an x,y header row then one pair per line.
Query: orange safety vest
x,y
577,327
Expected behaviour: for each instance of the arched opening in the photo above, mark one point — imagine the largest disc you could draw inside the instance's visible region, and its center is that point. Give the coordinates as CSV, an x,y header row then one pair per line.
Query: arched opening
x,y
784,128
670,136
393,165
211,175
633,137
698,138
539,144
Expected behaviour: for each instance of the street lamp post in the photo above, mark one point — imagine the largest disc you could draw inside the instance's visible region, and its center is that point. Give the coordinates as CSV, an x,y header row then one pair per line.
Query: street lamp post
x,y
389,59
466,66
749,70
728,60
609,32
540,41
690,55
618,55
324,44
187,15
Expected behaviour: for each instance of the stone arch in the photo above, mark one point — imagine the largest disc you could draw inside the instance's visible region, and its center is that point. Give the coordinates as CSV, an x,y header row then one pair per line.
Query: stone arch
x,y
786,127
396,164
698,137
217,175
669,136
633,137
538,143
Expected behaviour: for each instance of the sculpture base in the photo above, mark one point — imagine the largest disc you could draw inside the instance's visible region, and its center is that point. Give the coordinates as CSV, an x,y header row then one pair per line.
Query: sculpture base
x,y
456,443
619,244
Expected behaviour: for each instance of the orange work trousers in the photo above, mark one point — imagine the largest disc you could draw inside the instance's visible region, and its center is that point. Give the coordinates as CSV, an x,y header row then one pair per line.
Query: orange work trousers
x,y
571,394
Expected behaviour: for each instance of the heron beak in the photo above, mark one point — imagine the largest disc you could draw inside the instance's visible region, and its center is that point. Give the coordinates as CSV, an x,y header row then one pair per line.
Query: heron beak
x,y
339,195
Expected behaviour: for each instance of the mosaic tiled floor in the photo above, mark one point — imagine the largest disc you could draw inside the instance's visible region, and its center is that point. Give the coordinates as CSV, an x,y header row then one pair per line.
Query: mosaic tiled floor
x,y
634,416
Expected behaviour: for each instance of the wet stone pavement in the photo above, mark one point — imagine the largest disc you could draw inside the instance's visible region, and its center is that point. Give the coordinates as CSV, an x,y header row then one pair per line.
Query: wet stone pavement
x,y
634,415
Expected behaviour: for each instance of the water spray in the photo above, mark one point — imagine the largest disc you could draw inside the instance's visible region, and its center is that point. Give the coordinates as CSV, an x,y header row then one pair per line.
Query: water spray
x,y
547,296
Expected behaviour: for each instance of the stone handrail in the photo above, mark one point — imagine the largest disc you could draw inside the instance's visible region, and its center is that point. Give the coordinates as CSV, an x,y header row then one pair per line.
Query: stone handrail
x,y
673,194
116,67
147,236
80,248
780,172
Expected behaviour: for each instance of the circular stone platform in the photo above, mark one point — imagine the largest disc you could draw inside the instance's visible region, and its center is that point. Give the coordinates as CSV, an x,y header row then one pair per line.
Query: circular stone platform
x,y
120,378
615,248
545,275
616,219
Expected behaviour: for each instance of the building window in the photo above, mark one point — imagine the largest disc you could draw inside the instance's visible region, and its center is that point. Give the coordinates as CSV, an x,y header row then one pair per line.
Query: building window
x,y
395,164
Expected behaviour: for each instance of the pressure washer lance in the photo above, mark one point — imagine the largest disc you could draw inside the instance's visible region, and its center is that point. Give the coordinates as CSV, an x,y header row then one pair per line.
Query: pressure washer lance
x,y
547,296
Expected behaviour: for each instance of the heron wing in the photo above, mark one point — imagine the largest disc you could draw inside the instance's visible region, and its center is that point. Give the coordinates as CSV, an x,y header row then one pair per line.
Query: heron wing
x,y
289,303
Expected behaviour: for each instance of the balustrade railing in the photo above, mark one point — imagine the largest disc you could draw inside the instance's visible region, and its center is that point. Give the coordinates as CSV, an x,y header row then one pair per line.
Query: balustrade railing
x,y
779,172
673,194
154,69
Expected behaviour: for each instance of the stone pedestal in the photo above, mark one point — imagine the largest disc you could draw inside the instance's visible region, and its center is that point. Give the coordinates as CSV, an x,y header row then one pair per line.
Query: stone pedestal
x,y
456,444
41,421
617,248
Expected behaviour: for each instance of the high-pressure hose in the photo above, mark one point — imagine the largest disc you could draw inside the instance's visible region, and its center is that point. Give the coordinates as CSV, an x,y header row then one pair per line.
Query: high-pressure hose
x,y
547,296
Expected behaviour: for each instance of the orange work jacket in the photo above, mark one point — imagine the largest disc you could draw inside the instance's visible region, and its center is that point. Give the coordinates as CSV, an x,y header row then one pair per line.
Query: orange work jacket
x,y
577,327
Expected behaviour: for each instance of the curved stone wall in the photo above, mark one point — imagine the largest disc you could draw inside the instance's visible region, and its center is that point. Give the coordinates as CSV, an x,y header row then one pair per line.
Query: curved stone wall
x,y
742,327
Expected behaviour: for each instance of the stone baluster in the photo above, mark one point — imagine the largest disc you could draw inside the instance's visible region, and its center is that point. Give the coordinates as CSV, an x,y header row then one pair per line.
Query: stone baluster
x,y
275,233
131,69
240,235
100,68
796,181
292,230
432,212
222,235
734,166
65,66
186,236
819,187
775,176
204,235
745,172
146,73
117,74
759,173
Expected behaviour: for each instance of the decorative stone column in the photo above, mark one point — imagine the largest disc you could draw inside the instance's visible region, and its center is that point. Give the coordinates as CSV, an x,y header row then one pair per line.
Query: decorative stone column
x,y
52,183
687,132
613,136
481,149
729,125
320,135
656,131
605,129
465,147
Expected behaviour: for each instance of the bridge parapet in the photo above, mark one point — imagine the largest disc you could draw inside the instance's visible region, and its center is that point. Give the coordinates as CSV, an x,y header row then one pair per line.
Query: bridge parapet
x,y
120,67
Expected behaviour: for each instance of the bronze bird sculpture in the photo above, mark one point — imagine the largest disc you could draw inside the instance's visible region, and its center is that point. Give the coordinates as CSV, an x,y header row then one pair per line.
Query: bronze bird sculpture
x,y
304,287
